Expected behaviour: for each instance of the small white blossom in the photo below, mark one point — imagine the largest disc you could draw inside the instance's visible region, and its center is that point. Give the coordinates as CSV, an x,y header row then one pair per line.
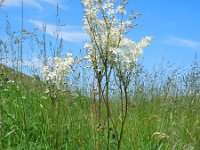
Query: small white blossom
x,y
120,9
57,71
87,2
10,81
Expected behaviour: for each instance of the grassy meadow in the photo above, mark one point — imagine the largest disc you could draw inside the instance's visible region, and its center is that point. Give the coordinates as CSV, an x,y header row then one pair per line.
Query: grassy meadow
x,y
162,122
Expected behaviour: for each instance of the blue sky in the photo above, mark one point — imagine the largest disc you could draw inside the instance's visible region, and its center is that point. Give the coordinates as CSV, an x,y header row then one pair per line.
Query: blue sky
x,y
174,24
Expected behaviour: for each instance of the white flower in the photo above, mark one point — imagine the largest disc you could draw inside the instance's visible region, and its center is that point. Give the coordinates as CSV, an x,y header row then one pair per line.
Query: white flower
x,y
120,9
87,46
87,2
41,106
57,71
10,81
107,35
132,51
110,12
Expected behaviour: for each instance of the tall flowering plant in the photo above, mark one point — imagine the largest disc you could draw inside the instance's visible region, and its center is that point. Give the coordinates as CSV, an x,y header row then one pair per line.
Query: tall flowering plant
x,y
57,70
54,73
108,51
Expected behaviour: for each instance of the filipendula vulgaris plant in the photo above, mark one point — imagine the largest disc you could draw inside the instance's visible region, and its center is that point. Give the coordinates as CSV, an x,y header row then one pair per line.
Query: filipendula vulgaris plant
x,y
54,72
112,56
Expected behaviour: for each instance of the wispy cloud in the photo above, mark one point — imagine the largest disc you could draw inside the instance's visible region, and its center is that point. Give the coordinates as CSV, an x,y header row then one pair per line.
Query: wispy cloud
x,y
34,62
16,3
33,3
53,2
183,42
68,33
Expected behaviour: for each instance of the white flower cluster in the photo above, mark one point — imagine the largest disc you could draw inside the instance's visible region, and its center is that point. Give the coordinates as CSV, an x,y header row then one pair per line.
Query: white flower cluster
x,y
57,71
107,34
131,51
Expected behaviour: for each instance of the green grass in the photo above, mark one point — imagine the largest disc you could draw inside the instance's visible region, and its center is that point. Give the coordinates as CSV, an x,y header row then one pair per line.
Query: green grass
x,y
25,119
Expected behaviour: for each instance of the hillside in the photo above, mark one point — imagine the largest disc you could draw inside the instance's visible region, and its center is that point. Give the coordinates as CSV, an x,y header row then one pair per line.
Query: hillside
x,y
31,119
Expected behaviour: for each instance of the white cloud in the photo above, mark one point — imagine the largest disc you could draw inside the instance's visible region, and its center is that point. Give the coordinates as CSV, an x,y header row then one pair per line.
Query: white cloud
x,y
53,2
33,3
68,33
16,3
35,62
183,42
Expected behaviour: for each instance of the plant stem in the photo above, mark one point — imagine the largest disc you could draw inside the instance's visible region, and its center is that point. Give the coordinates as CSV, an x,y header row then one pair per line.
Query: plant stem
x,y
94,112
123,116
108,109
52,122
99,116
58,139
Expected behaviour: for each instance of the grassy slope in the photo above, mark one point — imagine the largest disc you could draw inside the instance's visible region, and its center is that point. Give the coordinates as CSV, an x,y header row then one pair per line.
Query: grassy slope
x,y
25,116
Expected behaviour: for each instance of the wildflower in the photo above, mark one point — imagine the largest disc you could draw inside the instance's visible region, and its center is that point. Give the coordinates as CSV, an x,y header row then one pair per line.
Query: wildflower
x,y
41,106
109,52
120,9
6,90
10,81
87,2
119,50
56,72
